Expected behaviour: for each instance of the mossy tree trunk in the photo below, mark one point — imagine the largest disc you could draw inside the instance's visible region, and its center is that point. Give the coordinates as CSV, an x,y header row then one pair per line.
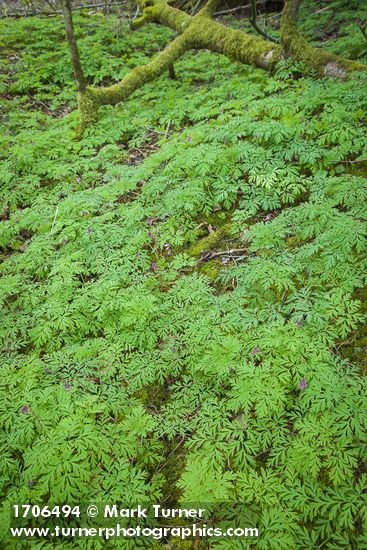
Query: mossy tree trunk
x,y
296,47
201,32
73,46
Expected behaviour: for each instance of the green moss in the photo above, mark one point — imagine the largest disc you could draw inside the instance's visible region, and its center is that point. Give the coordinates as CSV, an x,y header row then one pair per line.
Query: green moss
x,y
88,108
178,544
153,395
235,44
174,465
218,219
293,242
175,544
198,31
211,269
359,169
135,79
215,241
210,242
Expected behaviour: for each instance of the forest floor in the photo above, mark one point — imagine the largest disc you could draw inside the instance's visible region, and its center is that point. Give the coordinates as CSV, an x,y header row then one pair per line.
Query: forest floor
x,y
183,291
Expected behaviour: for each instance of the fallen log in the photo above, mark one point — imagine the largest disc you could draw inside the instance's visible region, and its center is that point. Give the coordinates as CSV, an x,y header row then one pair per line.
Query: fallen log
x,y
201,32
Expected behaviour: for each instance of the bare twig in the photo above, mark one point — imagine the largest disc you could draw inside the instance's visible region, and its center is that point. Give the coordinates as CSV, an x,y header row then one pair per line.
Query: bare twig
x,y
238,8
233,253
363,28
347,161
194,9
256,26
38,102
136,11
167,130
323,9
154,131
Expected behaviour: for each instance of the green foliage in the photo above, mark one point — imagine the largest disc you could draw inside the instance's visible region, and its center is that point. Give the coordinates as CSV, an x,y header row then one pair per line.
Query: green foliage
x,y
127,372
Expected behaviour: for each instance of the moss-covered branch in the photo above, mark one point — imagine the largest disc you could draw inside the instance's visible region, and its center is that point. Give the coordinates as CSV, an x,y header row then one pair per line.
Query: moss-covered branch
x,y
295,46
201,32
209,8
93,98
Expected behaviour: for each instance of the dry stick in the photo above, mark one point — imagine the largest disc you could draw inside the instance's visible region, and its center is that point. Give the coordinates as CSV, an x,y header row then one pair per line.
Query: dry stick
x,y
363,29
167,130
35,101
323,9
193,11
348,161
136,11
238,8
210,255
155,131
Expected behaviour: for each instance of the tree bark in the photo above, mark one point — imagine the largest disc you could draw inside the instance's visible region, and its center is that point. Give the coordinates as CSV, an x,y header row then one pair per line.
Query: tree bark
x,y
293,9
296,47
73,46
201,32
172,72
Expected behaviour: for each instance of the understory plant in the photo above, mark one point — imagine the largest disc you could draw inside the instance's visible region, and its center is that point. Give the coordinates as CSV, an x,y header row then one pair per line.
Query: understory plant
x,y
183,290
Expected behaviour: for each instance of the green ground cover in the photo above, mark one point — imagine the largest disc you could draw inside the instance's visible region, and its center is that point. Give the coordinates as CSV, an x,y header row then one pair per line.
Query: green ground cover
x,y
139,359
